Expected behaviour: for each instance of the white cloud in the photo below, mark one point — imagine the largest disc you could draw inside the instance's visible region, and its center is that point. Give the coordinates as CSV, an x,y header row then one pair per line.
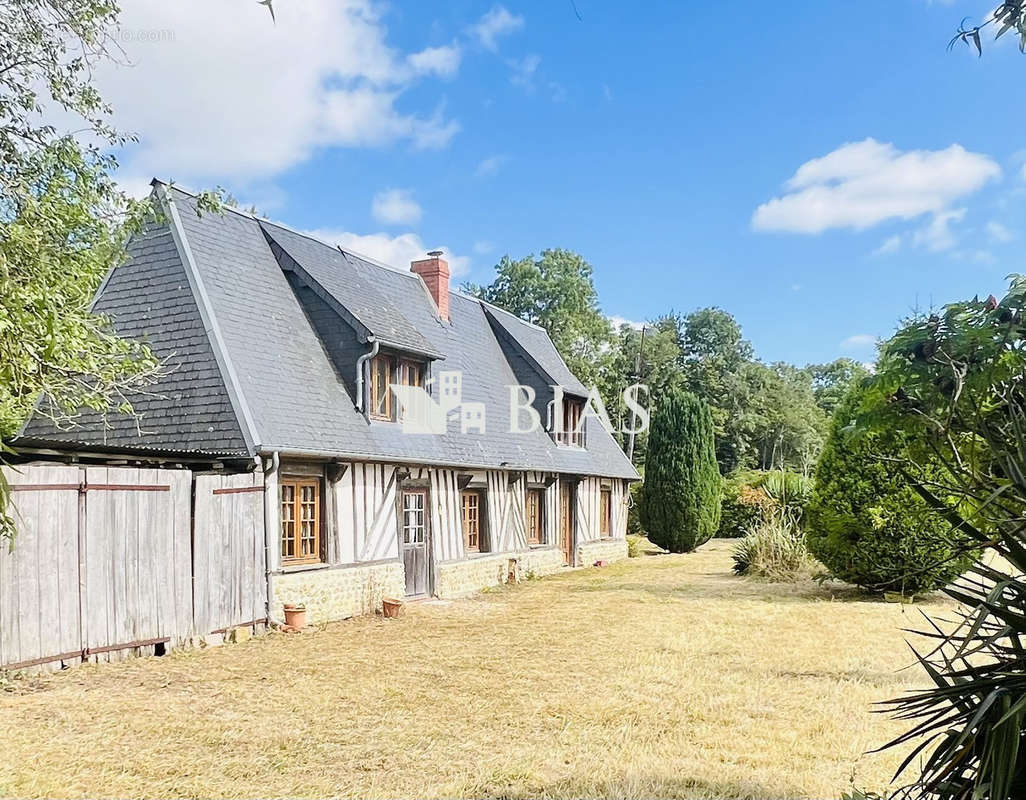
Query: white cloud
x,y
483,248
862,184
489,166
226,94
976,256
937,235
892,244
443,61
496,23
523,70
618,322
396,207
859,341
998,232
393,251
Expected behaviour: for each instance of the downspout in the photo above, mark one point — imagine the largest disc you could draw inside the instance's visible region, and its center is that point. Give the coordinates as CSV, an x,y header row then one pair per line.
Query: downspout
x,y
359,370
271,534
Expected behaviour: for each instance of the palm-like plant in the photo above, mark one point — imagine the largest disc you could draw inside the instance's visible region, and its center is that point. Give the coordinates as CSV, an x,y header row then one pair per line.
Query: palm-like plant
x,y
958,381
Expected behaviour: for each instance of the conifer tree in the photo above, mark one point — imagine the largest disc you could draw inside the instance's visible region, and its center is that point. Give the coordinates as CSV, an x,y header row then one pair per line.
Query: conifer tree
x,y
680,500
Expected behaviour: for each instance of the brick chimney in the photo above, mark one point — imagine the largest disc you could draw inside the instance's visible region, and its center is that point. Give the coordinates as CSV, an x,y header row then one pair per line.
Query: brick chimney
x,y
434,270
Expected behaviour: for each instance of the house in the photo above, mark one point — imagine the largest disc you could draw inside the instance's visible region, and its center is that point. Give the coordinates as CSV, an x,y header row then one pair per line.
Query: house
x,y
303,363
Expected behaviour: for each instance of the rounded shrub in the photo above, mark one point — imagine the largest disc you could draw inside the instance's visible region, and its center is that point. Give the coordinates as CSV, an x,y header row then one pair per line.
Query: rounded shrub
x,y
744,505
753,497
867,524
680,498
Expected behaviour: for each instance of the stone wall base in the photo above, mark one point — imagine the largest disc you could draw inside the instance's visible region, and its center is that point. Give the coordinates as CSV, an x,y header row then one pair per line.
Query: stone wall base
x,y
339,593
608,550
462,578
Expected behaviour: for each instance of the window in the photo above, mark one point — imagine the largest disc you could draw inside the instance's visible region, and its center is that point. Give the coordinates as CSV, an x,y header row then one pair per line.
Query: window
x,y
573,411
381,368
472,521
413,518
300,521
535,516
411,373
606,513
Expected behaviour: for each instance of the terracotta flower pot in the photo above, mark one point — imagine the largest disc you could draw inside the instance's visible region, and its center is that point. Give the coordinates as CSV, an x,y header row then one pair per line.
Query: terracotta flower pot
x,y
295,616
391,607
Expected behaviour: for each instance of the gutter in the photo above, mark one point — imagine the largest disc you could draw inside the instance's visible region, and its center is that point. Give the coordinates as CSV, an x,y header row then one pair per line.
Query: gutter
x,y
422,461
375,344
271,532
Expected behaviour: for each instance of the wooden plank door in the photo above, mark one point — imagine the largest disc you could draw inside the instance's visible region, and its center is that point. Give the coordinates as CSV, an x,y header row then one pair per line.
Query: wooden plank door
x,y
566,521
413,541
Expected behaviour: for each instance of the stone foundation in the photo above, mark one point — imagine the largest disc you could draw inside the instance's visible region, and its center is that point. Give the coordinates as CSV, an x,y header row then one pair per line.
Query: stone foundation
x,y
341,592
608,550
462,578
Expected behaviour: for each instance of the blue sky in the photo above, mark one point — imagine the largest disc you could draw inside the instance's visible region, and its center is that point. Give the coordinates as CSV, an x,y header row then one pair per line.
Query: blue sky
x,y
818,169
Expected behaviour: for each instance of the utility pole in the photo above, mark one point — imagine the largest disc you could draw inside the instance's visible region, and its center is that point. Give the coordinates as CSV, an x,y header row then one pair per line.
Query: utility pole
x,y
637,379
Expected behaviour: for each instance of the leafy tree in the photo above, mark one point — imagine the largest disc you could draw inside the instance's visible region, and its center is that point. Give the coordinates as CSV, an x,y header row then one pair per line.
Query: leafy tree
x,y
831,382
660,370
680,498
953,382
867,523
63,221
557,292
1010,15
787,425
717,368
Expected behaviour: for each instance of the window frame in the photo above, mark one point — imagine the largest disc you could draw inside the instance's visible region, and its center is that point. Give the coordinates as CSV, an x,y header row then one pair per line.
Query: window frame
x,y
606,513
535,532
572,412
297,483
406,365
375,388
479,547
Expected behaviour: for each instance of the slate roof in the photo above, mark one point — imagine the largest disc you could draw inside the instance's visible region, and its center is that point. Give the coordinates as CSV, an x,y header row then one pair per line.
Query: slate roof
x,y
280,387
535,345
188,410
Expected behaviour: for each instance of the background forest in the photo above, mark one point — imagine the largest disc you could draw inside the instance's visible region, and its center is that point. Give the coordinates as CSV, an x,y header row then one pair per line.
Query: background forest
x,y
765,416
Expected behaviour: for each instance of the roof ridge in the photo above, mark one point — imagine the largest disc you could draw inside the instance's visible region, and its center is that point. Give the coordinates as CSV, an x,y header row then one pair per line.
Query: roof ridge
x,y
335,248
236,395
519,319
304,234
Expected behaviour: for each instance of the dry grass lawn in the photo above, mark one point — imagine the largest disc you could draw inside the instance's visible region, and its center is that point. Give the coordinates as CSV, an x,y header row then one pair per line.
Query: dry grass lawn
x,y
658,677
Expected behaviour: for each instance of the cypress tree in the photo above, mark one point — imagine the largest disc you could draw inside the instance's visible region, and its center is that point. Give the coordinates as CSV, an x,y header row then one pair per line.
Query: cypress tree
x,y
680,499
866,524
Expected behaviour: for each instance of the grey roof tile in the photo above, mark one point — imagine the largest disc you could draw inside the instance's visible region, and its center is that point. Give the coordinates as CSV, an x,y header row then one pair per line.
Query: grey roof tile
x,y
188,409
298,400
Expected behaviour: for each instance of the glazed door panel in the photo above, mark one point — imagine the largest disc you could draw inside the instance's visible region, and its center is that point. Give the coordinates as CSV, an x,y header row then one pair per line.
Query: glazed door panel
x,y
413,541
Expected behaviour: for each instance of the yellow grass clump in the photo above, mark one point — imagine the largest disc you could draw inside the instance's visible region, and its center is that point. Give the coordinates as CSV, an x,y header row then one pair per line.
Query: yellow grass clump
x,y
663,676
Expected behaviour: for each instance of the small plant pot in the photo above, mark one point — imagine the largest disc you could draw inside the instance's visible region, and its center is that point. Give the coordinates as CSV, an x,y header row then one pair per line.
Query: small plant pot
x,y
295,616
898,597
390,607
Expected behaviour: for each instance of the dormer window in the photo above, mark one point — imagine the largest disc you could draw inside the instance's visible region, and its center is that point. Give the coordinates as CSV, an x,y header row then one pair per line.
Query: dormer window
x,y
386,370
572,432
382,368
411,373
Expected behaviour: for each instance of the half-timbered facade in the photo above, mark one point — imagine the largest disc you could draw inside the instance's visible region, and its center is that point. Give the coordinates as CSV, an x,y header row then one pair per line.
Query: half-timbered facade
x,y
289,358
